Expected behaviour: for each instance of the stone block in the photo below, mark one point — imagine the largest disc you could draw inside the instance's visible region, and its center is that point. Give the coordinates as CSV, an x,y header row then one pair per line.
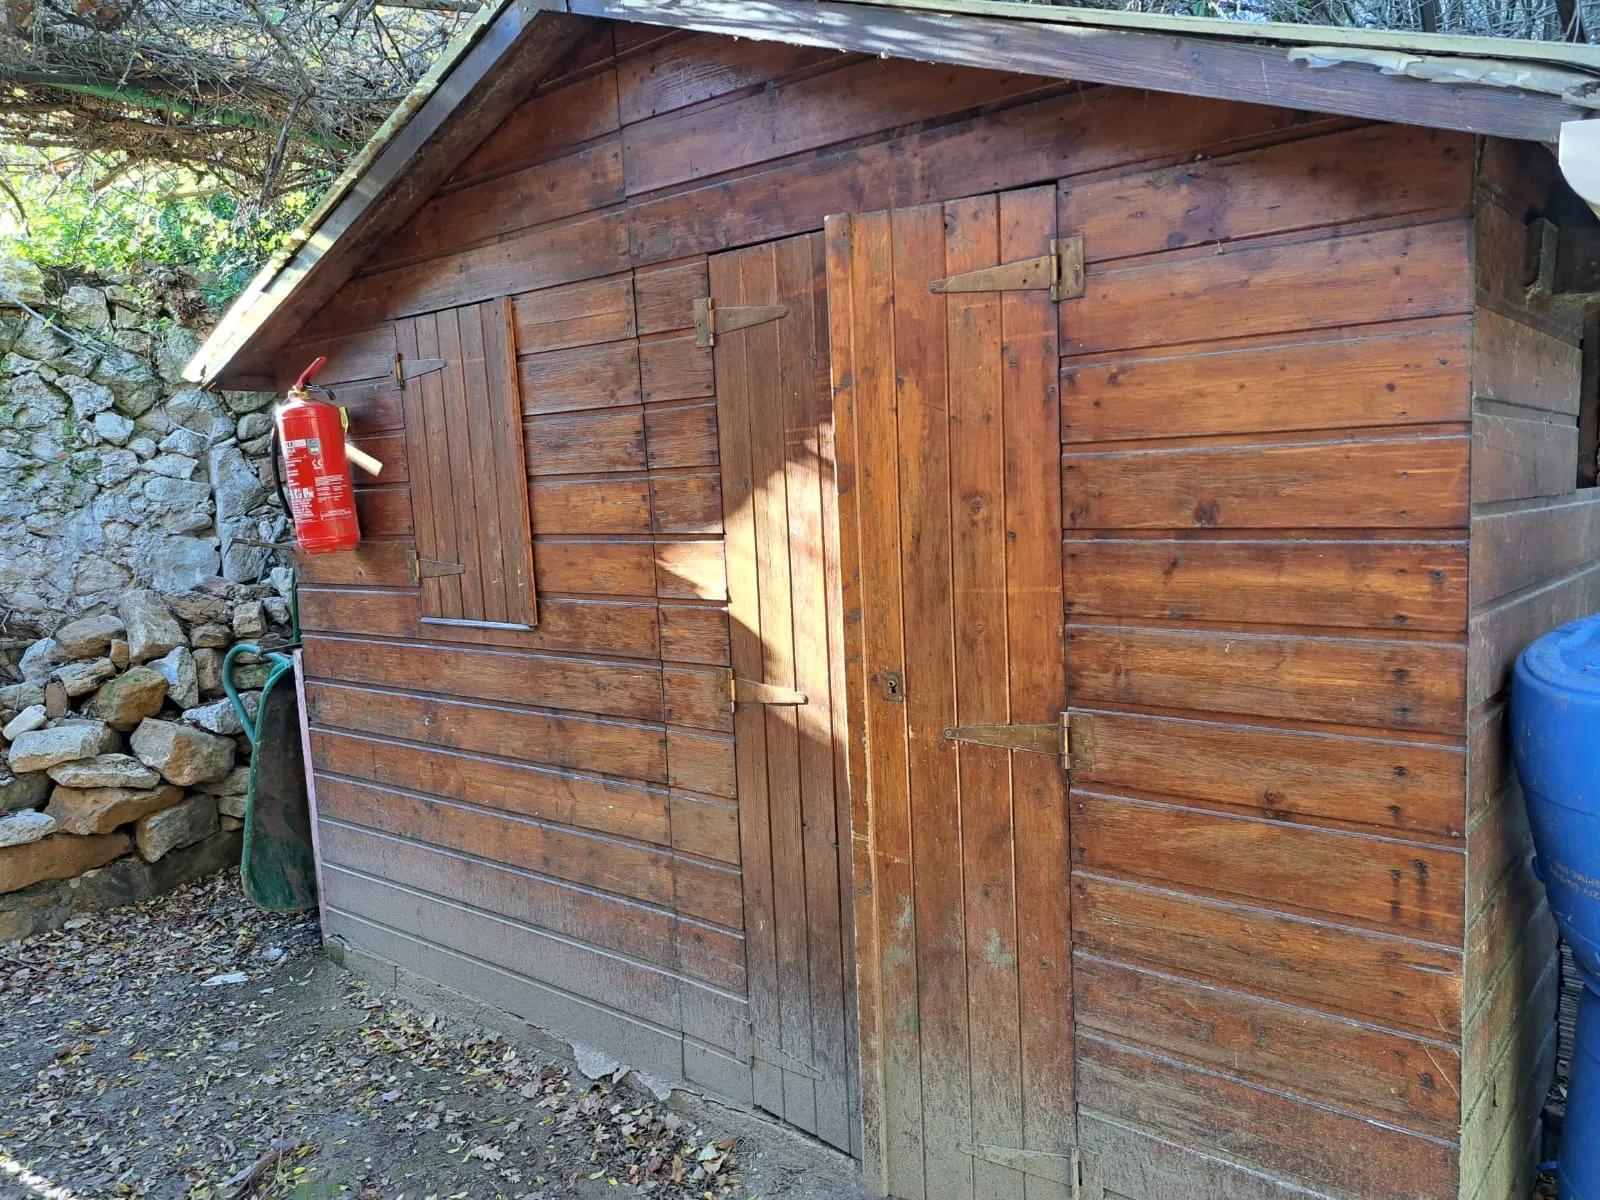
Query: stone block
x,y
85,307
59,856
228,824
105,771
183,754
183,684
21,828
131,880
211,637
129,698
152,630
39,659
22,791
26,721
35,910
249,619
100,810
56,701
89,637
17,696
44,748
235,783
81,678
219,716
172,828
233,806
118,654
198,608
208,671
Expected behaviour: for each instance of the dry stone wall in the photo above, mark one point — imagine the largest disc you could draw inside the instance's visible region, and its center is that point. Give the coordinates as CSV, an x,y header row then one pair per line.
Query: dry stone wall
x,y
113,472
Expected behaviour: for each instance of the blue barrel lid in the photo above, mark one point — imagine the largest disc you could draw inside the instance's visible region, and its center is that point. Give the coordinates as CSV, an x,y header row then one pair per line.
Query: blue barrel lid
x,y
1568,657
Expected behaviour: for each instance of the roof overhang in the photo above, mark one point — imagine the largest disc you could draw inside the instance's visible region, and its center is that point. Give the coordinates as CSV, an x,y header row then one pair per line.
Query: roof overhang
x,y
1512,89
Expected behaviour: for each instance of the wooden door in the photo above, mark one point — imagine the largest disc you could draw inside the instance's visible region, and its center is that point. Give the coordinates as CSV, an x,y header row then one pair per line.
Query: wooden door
x,y
948,427
774,418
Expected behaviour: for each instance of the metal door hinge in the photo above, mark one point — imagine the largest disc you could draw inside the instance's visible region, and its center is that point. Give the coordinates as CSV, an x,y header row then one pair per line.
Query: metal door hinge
x,y
408,369
1061,271
748,691
1071,738
1043,1164
430,568
711,319
762,1050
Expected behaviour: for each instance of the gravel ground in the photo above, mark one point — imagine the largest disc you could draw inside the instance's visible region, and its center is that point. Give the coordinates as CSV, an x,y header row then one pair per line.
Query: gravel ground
x,y
196,1048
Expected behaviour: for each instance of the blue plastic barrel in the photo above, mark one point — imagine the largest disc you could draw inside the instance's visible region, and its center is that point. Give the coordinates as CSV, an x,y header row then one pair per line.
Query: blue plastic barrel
x,y
1555,739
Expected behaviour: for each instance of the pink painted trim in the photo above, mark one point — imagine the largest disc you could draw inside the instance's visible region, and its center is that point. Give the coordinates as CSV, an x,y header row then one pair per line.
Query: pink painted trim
x,y
311,788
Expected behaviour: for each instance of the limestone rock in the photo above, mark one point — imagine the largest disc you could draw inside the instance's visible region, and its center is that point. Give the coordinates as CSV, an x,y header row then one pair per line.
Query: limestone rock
x,y
183,754
249,619
152,629
17,696
198,608
214,637
86,308
182,825
277,610
219,716
232,806
26,721
235,783
131,381
87,396
182,562
20,828
39,659
185,442
56,701
44,748
22,791
177,347
183,684
131,880
86,811
81,678
244,402
113,427
173,466
253,425
59,856
34,910
89,636
118,654
229,824
105,771
23,280
129,698
208,671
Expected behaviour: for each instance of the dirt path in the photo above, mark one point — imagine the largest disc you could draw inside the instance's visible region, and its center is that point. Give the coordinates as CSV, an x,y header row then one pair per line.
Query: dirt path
x,y
171,1049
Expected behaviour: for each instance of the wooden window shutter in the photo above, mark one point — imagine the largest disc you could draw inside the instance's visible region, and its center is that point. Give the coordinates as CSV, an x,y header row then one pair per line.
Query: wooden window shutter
x,y
469,480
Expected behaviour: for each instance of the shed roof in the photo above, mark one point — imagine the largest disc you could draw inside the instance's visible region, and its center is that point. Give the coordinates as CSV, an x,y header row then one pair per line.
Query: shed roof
x,y
1506,88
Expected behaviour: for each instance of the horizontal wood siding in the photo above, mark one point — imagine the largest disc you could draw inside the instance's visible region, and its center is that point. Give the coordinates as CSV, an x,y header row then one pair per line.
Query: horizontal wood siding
x,y
1267,425
1535,538
1266,410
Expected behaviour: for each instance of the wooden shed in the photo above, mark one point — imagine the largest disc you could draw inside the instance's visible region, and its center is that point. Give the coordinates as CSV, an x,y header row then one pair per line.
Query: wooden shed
x,y
946,572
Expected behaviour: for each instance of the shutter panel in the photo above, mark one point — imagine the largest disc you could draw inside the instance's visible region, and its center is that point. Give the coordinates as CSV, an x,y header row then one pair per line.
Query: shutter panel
x,y
469,481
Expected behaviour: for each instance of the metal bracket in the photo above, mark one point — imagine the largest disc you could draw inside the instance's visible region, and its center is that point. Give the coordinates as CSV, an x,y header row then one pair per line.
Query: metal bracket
x,y
1060,1168
1061,271
748,691
761,1050
710,320
406,370
1070,738
430,568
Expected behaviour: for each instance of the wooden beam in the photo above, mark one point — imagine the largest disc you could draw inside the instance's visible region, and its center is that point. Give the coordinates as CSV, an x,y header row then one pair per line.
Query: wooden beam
x,y
1165,62
521,46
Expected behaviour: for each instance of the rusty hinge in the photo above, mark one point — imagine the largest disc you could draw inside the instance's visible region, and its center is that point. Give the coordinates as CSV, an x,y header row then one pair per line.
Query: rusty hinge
x,y
1060,1168
1061,271
710,319
1071,738
430,568
762,1050
748,691
408,369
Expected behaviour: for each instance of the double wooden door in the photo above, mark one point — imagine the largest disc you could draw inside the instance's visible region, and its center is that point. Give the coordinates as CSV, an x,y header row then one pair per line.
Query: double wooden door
x,y
948,431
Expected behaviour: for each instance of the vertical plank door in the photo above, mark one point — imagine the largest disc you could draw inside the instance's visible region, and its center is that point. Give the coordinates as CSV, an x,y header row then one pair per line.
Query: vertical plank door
x,y
774,417
948,429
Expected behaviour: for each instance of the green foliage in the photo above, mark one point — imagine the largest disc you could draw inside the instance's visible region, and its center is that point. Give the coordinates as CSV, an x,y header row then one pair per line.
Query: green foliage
x,y
165,217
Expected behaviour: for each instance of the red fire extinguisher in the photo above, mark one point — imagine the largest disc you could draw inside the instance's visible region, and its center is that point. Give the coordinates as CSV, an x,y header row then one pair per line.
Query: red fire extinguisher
x,y
319,494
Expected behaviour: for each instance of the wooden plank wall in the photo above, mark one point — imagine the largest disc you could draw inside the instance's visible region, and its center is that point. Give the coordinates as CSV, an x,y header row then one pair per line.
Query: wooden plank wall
x,y
1535,563
1266,424
1265,393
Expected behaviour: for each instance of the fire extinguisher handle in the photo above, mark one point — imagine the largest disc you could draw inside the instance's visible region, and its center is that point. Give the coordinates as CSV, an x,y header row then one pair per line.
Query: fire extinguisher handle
x,y
299,384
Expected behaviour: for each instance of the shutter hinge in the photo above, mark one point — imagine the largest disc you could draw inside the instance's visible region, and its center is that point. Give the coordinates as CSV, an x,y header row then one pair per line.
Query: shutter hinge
x,y
406,370
429,568
710,319
748,691
1071,738
1043,1164
1061,271
761,1050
